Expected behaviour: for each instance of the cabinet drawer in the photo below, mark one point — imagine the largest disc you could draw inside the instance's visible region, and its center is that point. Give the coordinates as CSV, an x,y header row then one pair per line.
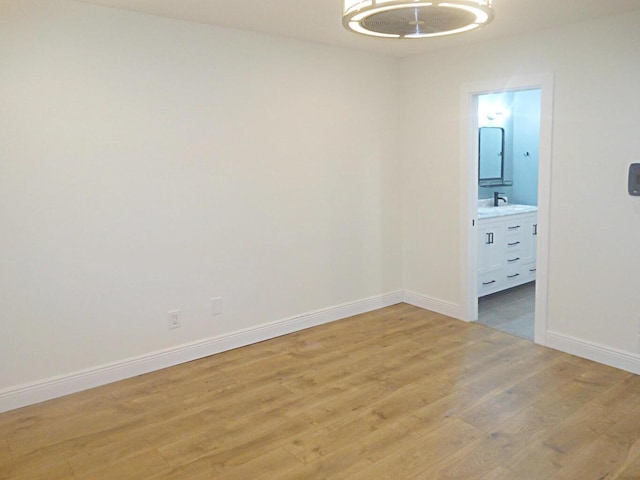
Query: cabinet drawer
x,y
514,238
514,277
490,283
517,275
512,260
515,226
513,244
529,272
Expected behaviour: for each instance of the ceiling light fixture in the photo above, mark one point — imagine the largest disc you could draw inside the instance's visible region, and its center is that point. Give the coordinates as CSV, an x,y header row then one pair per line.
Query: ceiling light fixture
x,y
415,18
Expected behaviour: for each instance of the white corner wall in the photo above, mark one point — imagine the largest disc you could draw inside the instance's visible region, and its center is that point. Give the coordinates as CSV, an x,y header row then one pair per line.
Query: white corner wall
x,y
149,164
594,231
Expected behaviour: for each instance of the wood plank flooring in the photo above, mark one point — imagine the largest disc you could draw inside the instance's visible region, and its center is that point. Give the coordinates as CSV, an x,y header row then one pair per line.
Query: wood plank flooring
x,y
399,393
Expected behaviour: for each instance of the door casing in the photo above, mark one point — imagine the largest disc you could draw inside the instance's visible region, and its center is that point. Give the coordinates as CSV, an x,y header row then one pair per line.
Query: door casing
x,y
469,191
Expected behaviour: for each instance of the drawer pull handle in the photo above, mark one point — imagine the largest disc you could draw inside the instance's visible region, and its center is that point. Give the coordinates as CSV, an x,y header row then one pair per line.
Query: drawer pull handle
x,y
489,283
514,228
532,269
535,229
514,243
513,276
513,259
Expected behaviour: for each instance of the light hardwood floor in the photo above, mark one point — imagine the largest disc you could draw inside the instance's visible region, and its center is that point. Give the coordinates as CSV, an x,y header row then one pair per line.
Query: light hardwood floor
x,y
400,393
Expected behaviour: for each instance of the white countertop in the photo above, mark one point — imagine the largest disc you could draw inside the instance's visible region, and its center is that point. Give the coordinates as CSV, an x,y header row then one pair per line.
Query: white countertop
x,y
503,210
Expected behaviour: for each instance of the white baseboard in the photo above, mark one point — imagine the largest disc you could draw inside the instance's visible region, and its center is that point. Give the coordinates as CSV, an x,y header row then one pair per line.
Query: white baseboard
x,y
433,304
627,361
28,394
594,351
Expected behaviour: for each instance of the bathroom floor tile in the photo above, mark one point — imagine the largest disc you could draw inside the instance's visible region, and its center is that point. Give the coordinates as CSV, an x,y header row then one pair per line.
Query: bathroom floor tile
x,y
510,311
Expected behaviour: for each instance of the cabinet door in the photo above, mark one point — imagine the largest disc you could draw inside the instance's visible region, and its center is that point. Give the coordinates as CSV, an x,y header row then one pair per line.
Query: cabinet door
x,y
534,240
490,247
529,236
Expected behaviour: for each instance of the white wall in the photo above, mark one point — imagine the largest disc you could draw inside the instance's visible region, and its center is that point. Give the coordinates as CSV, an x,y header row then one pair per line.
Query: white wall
x,y
526,140
148,164
594,225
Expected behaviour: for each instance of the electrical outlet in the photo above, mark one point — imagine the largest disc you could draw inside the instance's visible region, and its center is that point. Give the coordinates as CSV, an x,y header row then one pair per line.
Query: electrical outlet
x,y
216,306
175,320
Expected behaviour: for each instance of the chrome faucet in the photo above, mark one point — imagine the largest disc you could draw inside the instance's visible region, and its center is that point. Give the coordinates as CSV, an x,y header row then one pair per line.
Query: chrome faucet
x,y
497,198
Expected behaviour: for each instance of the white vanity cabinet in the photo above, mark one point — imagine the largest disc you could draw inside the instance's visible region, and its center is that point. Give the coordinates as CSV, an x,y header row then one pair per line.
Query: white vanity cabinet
x,y
506,251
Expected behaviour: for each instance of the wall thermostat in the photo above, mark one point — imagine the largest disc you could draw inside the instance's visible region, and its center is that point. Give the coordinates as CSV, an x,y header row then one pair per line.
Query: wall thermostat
x,y
634,179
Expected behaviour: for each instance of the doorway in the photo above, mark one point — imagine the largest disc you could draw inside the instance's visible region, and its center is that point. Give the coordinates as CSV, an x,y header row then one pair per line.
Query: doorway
x,y
508,159
534,293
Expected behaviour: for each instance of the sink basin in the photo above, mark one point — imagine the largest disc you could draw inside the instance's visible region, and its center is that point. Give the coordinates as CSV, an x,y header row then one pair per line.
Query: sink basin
x,y
488,212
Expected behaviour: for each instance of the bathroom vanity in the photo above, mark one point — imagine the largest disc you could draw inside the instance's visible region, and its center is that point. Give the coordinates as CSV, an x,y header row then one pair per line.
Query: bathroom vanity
x,y
506,247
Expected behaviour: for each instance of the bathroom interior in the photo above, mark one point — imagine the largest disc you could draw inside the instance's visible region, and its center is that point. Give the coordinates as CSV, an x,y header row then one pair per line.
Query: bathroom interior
x,y
508,146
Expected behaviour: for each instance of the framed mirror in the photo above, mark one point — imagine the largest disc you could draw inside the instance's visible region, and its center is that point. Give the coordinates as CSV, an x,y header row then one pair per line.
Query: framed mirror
x,y
491,155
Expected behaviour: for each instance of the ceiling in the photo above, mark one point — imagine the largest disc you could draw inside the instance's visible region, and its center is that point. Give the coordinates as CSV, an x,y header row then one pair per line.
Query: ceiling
x,y
320,20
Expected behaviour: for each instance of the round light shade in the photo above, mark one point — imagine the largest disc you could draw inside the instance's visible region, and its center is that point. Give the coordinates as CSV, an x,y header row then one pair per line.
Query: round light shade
x,y
415,19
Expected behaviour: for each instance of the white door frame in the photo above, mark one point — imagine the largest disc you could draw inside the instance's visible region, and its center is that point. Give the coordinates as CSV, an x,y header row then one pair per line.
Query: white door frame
x,y
469,191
